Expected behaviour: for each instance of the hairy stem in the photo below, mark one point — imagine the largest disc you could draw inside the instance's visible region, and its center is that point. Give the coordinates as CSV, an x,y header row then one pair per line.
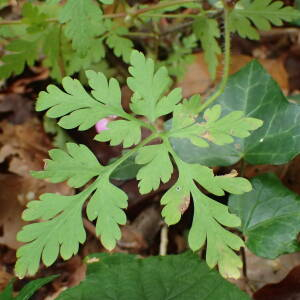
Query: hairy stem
x,y
224,80
162,5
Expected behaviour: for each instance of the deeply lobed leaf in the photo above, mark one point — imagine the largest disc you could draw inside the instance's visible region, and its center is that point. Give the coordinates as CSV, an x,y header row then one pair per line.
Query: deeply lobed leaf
x,y
158,167
57,234
61,230
207,31
76,107
79,165
261,13
83,23
121,131
106,206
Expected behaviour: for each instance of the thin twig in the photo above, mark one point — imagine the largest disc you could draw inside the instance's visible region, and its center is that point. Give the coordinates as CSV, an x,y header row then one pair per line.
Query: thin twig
x,y
163,247
223,83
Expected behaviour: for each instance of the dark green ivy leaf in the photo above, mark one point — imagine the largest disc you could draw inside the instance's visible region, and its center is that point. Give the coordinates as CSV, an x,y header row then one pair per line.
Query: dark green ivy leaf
x,y
177,277
270,216
253,91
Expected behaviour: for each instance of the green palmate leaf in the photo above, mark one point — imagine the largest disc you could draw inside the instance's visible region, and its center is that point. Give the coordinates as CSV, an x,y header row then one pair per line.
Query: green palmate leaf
x,y
78,165
209,215
148,86
270,217
61,232
83,23
121,46
76,107
219,131
235,124
261,13
221,243
207,31
23,52
27,291
121,131
106,206
176,201
178,277
253,91
62,229
158,167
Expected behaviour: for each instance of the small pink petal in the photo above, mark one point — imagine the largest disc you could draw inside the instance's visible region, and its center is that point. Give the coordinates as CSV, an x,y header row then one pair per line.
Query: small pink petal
x,y
102,125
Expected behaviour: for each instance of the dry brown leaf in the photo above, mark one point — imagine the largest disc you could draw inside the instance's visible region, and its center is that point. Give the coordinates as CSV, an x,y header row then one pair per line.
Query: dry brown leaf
x,y
197,79
22,148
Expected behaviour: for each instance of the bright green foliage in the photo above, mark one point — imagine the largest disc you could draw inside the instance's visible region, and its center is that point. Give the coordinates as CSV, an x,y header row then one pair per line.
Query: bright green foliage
x,y
76,107
207,31
126,132
253,91
260,13
270,216
158,167
23,52
148,86
106,205
219,131
209,215
61,230
27,291
83,23
65,165
177,277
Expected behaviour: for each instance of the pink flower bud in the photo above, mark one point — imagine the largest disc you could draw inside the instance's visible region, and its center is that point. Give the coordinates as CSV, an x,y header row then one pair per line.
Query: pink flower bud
x,y
102,124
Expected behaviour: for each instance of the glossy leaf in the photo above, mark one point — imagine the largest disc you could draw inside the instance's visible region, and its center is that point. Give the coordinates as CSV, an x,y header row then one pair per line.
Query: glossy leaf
x,y
253,91
270,216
